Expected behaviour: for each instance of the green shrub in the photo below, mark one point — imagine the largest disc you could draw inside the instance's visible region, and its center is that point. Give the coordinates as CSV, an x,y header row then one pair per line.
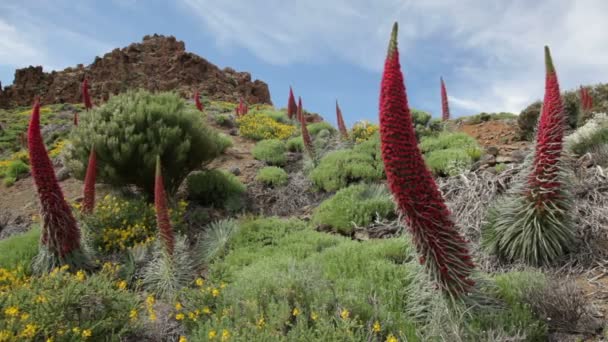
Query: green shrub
x,y
592,136
224,120
483,117
165,274
528,118
278,116
295,144
260,127
272,176
131,129
214,241
450,162
447,140
214,187
340,168
356,205
224,142
14,169
271,151
315,128
119,223
62,306
19,250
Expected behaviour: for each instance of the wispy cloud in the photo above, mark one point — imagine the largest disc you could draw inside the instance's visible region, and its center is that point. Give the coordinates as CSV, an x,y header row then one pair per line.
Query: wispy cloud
x,y
490,52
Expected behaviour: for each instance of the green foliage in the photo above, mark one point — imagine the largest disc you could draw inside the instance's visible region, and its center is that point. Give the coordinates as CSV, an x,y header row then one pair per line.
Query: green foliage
x,y
18,251
340,168
447,140
295,144
271,151
276,115
131,129
166,274
61,306
261,126
13,170
121,223
223,120
450,154
214,241
484,117
363,130
356,205
528,118
590,137
224,142
287,282
214,187
520,228
272,176
315,128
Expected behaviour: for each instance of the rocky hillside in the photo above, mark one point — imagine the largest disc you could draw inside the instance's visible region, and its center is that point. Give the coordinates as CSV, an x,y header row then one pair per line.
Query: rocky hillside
x,y
158,63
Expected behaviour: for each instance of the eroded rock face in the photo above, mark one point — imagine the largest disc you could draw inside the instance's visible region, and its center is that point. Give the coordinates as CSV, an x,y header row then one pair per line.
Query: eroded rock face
x,y
158,63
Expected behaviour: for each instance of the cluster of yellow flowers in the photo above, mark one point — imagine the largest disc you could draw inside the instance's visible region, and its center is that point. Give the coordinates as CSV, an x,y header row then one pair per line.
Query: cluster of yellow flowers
x,y
223,106
363,130
212,335
43,110
58,147
260,127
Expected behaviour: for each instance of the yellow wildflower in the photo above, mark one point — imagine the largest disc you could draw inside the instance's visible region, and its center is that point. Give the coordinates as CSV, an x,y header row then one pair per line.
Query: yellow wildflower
x,y
178,306
121,285
150,300
199,282
25,316
215,292
183,339
376,327
344,314
86,333
76,330
225,335
11,311
192,316
295,312
391,338
212,334
133,314
180,316
40,299
5,335
314,316
80,276
261,322
29,331
206,310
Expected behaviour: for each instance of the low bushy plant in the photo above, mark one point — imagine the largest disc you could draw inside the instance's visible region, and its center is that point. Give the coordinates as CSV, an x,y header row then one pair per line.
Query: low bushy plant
x,y
18,251
271,151
447,140
357,205
363,130
131,129
214,187
295,144
449,162
224,142
165,275
272,176
213,242
13,170
260,127
315,128
591,137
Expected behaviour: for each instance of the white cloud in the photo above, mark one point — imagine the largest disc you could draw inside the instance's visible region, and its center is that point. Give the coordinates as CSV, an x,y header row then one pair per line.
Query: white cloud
x,y
494,50
14,46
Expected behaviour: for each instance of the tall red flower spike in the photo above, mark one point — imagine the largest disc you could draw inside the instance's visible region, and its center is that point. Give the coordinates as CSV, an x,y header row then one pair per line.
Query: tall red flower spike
x,y
544,180
586,100
162,214
197,101
292,107
305,135
88,203
340,119
445,109
299,109
86,98
443,251
60,233
75,118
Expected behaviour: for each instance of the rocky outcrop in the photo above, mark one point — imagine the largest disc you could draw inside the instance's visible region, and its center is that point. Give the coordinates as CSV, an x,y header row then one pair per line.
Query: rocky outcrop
x,y
158,63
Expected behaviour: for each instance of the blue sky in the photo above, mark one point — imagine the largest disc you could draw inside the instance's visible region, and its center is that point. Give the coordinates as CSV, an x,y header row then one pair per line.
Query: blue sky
x,y
489,52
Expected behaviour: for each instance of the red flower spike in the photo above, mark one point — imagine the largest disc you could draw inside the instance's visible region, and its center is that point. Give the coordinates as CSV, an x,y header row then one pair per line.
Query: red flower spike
x,y
445,109
544,180
441,248
197,101
305,135
162,214
299,109
340,119
60,232
292,107
86,98
88,203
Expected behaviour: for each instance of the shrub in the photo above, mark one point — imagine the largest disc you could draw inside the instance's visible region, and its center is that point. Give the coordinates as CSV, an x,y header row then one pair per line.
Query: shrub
x,y
131,129
224,142
14,169
340,168
356,205
214,241
528,118
214,187
450,162
271,151
120,223
166,274
315,128
295,144
591,137
224,120
363,130
272,176
447,140
18,251
63,306
259,127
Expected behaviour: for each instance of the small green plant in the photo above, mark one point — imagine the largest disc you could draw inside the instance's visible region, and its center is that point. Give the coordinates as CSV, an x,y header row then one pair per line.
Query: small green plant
x,y
167,274
295,144
13,170
356,205
272,176
213,243
224,142
214,187
591,137
18,251
447,140
449,162
131,129
271,151
315,128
